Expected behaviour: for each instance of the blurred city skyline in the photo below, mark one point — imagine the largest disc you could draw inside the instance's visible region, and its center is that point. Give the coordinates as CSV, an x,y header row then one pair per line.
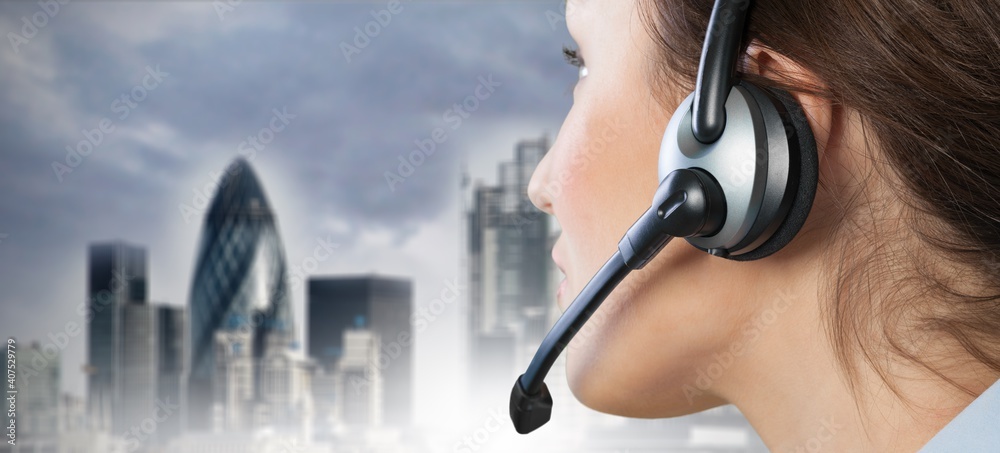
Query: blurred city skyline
x,y
343,125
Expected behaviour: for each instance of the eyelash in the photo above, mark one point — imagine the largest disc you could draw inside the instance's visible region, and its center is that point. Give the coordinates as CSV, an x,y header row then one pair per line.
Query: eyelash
x,y
573,57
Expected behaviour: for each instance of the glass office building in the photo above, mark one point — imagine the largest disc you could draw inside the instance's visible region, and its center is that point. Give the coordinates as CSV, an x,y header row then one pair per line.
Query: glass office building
x,y
240,283
116,275
170,366
383,305
510,266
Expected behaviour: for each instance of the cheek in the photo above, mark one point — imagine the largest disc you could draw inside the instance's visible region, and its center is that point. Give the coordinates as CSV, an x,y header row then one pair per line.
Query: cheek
x,y
606,172
603,186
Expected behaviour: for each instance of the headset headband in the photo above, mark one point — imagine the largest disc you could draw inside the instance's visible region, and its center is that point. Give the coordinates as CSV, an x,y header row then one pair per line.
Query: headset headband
x,y
717,68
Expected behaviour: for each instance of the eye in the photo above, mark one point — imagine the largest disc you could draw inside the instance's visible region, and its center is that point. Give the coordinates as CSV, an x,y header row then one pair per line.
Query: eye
x,y
574,58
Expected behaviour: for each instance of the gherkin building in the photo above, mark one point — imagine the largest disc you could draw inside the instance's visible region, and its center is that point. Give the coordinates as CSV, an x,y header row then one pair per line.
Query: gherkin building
x,y
239,285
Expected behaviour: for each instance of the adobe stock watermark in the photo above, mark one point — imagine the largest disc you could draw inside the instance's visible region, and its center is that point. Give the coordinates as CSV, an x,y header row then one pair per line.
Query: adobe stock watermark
x,y
322,252
743,173
3,236
556,17
280,119
223,7
420,321
59,340
751,332
625,291
364,35
479,437
140,432
728,14
991,262
527,216
827,430
585,156
10,399
453,118
123,106
38,20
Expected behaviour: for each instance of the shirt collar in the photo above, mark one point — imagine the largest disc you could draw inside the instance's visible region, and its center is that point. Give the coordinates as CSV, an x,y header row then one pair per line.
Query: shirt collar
x,y
975,429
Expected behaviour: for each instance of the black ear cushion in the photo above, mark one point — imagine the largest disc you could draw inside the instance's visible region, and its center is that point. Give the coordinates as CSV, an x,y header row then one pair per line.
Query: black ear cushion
x,y
800,138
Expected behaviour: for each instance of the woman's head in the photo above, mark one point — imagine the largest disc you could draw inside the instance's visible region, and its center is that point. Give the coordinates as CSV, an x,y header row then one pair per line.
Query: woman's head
x,y
904,101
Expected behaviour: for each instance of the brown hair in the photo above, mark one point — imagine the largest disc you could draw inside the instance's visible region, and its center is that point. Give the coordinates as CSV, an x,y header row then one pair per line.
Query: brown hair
x,y
924,76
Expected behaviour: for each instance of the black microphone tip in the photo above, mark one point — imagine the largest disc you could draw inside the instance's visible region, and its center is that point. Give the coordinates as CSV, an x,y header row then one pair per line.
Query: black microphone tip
x,y
529,412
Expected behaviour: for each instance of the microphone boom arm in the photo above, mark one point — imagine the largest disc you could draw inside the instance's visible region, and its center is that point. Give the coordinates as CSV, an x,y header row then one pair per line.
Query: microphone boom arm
x,y
688,203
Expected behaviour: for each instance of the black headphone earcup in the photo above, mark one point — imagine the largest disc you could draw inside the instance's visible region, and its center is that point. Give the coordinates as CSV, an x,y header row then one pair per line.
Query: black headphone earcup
x,y
800,139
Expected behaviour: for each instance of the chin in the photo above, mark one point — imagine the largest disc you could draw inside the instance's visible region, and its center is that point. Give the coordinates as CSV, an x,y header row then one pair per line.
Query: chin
x,y
611,391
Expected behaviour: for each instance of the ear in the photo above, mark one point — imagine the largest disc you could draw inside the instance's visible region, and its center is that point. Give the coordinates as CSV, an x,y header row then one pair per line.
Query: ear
x,y
824,118
834,126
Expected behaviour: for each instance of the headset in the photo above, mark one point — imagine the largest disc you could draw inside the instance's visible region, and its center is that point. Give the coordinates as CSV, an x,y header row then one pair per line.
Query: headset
x,y
738,169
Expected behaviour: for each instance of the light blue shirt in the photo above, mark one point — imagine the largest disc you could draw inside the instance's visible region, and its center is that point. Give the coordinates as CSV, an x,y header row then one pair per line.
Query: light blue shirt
x,y
975,429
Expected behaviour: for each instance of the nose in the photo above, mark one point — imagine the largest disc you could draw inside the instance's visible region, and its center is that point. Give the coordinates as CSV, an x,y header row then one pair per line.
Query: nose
x,y
538,186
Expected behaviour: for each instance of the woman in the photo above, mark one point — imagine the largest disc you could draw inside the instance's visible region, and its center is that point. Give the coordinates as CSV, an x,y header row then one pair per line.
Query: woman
x,y
880,322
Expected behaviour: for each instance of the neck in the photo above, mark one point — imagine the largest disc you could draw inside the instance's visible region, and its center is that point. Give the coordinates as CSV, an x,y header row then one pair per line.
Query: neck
x,y
794,392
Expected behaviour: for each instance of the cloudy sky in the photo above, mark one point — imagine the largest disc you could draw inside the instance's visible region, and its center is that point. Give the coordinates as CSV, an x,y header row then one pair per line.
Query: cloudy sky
x,y
163,95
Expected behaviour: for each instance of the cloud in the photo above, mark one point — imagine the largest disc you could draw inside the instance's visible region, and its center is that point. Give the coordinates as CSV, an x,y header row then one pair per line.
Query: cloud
x,y
325,173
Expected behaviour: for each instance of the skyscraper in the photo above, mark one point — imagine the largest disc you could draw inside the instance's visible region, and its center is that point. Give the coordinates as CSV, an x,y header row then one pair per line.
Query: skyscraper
x,y
170,366
116,276
240,284
233,388
324,394
379,304
509,268
136,382
37,405
359,386
284,398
